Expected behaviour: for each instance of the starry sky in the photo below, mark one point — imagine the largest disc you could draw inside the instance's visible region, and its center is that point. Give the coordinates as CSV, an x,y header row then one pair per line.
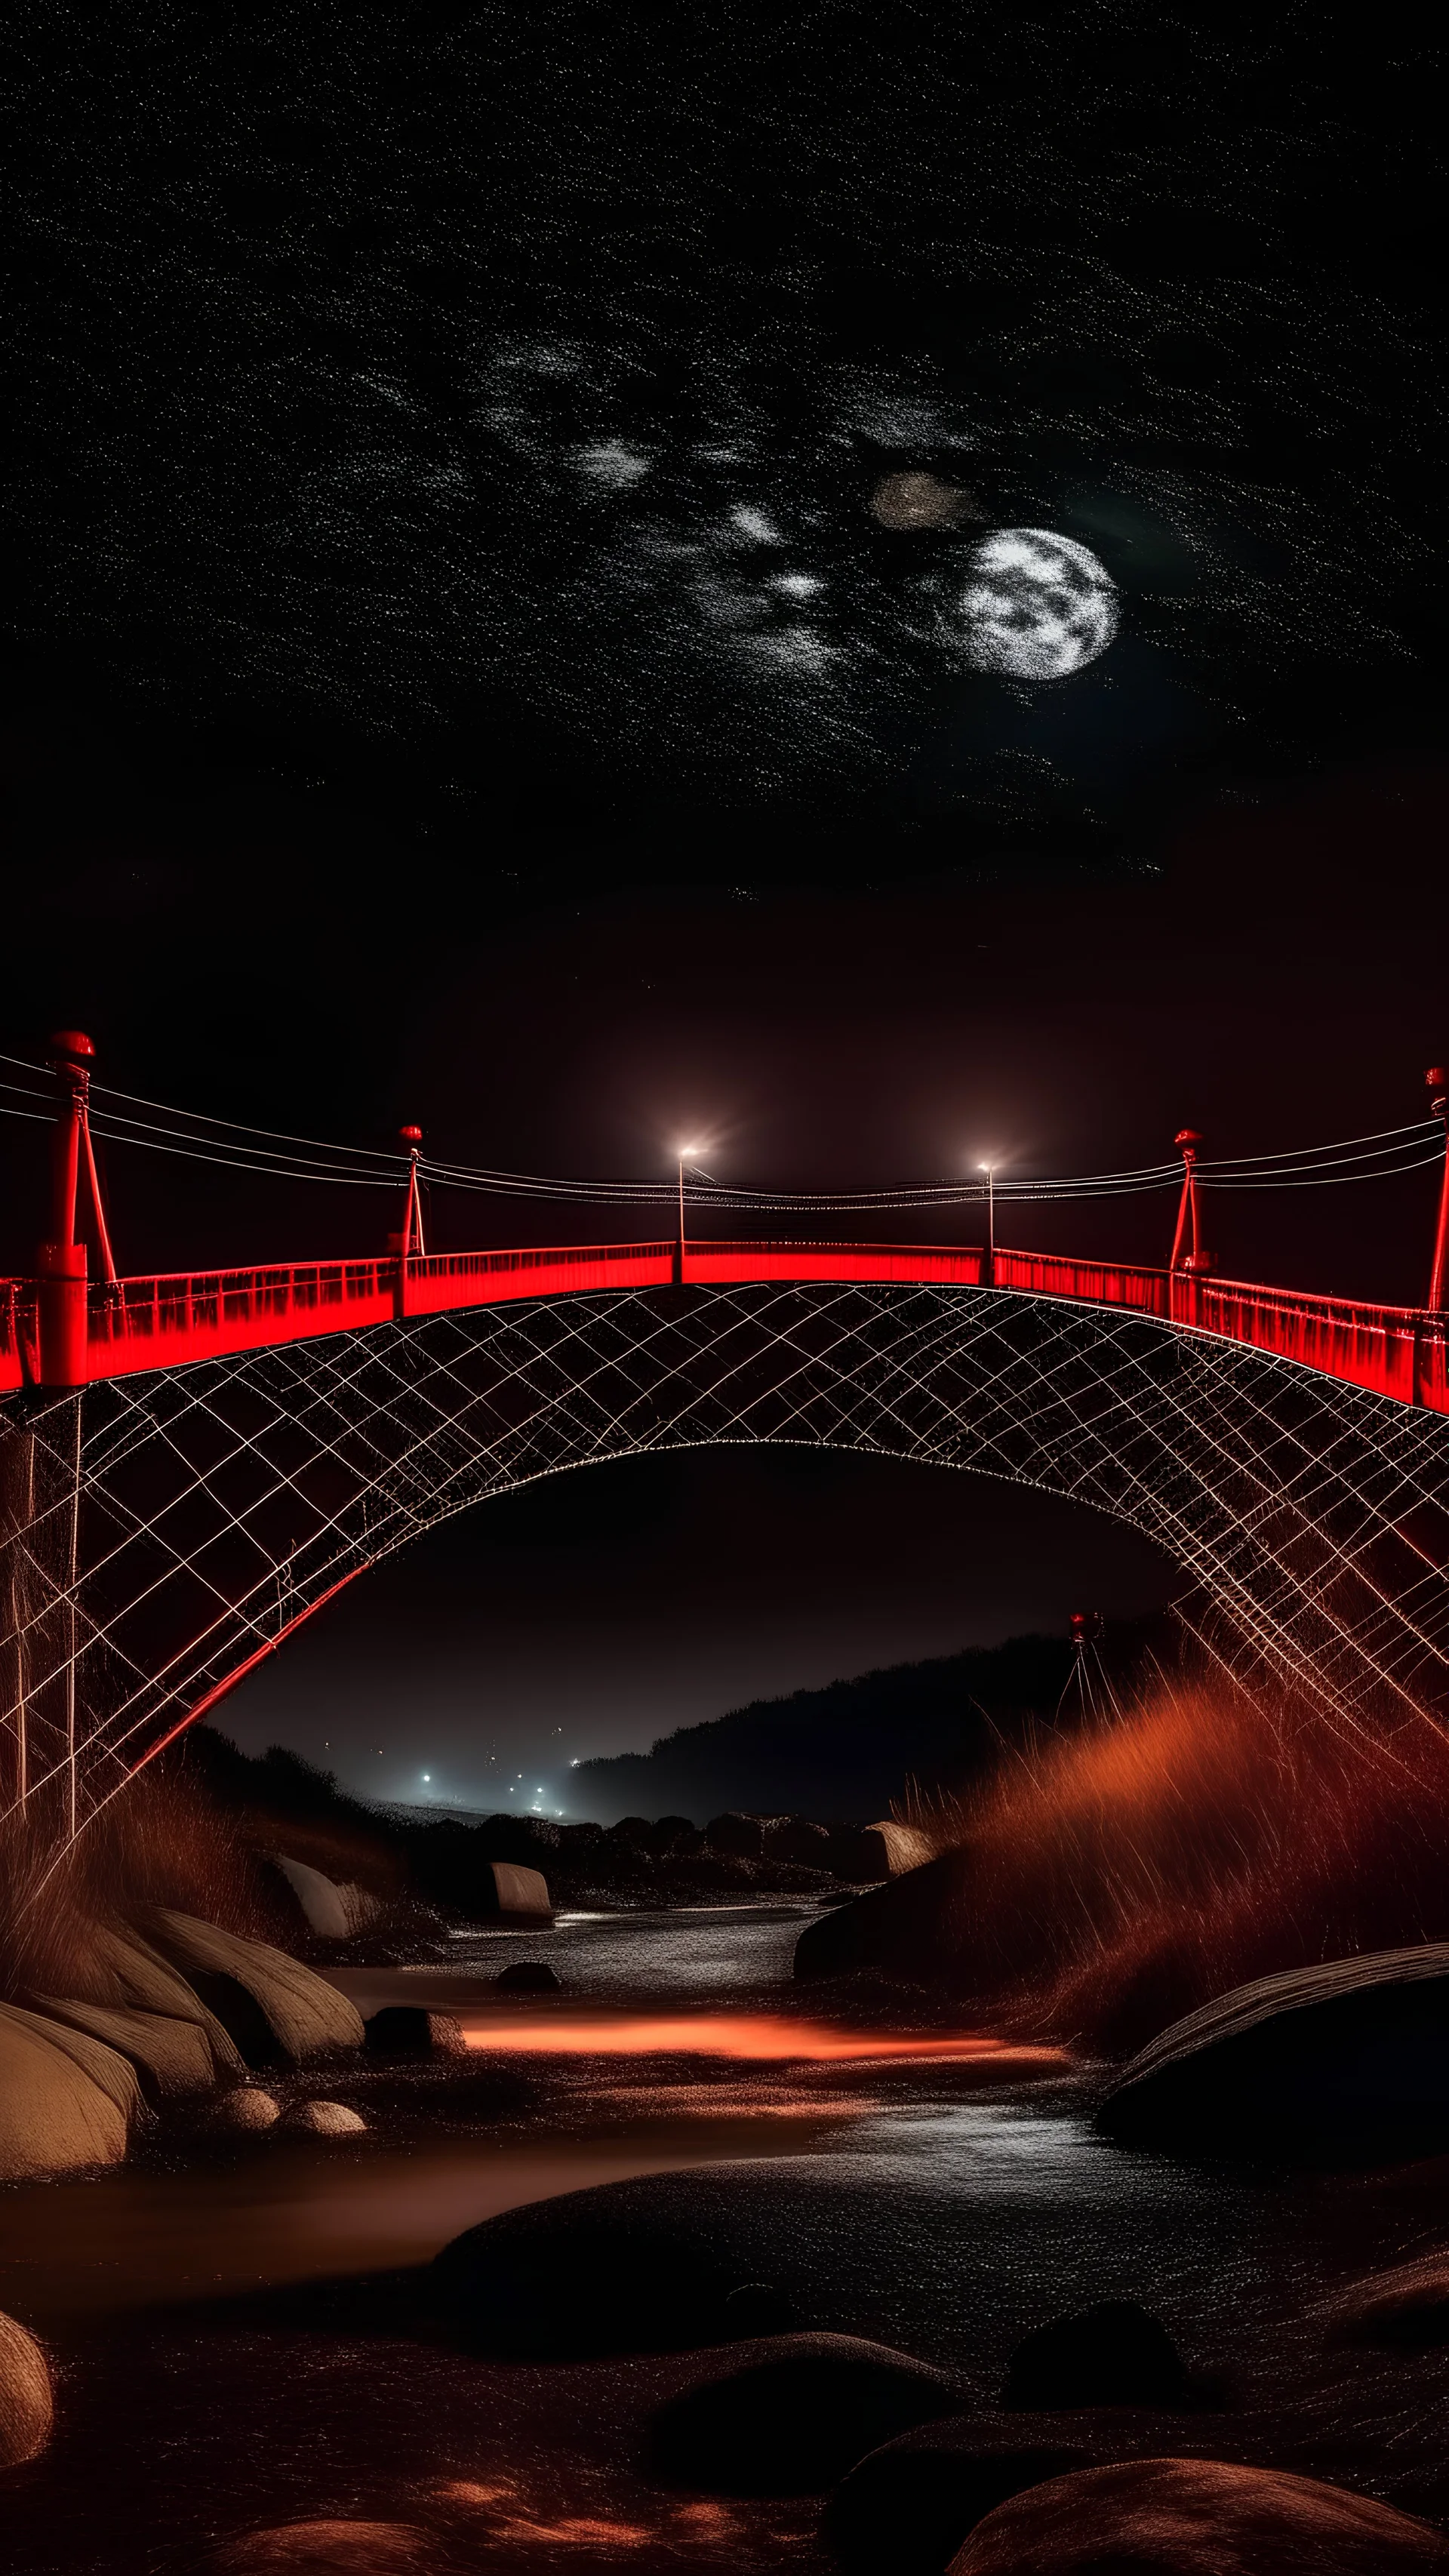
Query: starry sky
x,y
869,588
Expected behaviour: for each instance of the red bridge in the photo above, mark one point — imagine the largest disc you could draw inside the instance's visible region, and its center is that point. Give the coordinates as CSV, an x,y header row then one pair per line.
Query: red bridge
x,y
116,1329
192,1464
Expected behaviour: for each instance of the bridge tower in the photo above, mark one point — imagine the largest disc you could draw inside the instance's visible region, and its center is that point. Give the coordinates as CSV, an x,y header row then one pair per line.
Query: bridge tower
x,y
1438,1082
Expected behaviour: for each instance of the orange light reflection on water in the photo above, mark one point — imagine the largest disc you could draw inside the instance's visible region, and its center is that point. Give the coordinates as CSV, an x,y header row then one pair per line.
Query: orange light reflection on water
x,y
760,2036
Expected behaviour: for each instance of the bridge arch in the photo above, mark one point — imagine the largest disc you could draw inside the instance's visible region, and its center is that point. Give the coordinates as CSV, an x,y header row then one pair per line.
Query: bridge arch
x,y
222,1502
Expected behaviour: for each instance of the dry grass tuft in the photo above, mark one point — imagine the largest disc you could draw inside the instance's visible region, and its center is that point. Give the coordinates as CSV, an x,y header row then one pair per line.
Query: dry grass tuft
x,y
1112,1879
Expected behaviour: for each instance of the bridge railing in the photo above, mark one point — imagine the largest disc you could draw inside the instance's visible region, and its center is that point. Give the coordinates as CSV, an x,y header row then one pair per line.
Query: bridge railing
x,y
173,1319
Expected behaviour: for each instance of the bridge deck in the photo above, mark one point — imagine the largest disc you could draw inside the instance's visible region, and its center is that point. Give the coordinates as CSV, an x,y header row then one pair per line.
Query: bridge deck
x,y
172,1320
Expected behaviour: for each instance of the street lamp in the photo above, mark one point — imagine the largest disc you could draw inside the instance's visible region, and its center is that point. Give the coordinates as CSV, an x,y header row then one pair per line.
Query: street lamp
x,y
990,1170
684,1150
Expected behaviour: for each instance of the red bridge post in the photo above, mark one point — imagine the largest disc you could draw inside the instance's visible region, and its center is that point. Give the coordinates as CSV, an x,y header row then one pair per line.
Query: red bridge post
x,y
410,1236
1438,1081
1187,1267
61,1262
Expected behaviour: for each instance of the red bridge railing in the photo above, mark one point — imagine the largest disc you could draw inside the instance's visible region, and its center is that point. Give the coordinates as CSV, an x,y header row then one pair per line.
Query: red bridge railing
x,y
173,1320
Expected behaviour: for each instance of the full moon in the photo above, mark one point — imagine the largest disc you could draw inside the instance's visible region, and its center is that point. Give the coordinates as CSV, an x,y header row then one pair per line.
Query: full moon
x,y
1035,606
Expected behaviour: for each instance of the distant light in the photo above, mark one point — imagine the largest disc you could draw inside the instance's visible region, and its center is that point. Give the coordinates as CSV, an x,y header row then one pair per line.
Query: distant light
x,y
573,1766
427,1775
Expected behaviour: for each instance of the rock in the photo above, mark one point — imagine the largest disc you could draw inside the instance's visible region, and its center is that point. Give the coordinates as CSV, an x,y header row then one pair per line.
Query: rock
x,y
634,1830
1171,2517
588,2272
274,2007
1114,2354
328,2549
66,2101
172,2058
528,1977
123,1969
737,1837
247,2109
1346,2059
757,2308
795,2416
327,2120
333,1910
1407,2307
674,1838
509,1893
910,2504
27,2408
884,1850
903,1927
796,1840
408,2030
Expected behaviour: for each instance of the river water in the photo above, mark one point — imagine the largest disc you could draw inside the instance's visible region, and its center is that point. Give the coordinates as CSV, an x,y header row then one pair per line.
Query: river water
x,y
221,2367
675,2040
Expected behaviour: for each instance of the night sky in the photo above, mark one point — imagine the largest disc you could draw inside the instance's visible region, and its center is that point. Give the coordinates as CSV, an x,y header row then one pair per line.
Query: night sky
x,y
471,656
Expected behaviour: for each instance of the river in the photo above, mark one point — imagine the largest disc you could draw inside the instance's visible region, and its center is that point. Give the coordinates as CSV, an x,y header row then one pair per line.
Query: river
x,y
890,2178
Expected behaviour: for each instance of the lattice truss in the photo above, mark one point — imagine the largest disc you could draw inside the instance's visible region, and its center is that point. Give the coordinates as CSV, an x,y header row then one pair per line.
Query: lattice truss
x,y
221,1501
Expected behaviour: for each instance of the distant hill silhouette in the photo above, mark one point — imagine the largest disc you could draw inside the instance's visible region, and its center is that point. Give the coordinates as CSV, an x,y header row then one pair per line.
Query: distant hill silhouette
x,y
846,1751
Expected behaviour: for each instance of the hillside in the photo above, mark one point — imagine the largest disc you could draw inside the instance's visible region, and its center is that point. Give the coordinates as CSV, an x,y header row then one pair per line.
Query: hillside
x,y
843,1752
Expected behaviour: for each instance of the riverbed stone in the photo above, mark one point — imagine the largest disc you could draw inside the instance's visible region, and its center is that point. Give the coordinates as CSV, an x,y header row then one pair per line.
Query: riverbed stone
x,y
327,2120
27,2404
124,1969
529,1977
410,2031
329,1910
1112,2354
66,2100
585,2273
1346,2060
247,2110
172,2058
1177,2517
511,1893
274,2007
911,2503
328,2549
795,2415
903,1927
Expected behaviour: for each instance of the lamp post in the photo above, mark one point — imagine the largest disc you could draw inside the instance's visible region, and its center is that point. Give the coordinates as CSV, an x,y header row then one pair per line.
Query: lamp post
x,y
679,1239
988,1278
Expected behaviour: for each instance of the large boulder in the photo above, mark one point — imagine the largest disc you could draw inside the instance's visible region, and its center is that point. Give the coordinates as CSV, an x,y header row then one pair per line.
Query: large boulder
x,y
124,1969
171,2057
910,2504
66,2101
333,1910
795,2415
902,1928
273,2006
510,1893
736,1836
884,1850
410,2030
1347,2058
1113,2354
586,2273
1171,2517
27,2407
796,1840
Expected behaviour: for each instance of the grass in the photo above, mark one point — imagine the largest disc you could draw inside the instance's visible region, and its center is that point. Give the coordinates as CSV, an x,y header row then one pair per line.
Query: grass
x,y
161,1843
1110,1879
